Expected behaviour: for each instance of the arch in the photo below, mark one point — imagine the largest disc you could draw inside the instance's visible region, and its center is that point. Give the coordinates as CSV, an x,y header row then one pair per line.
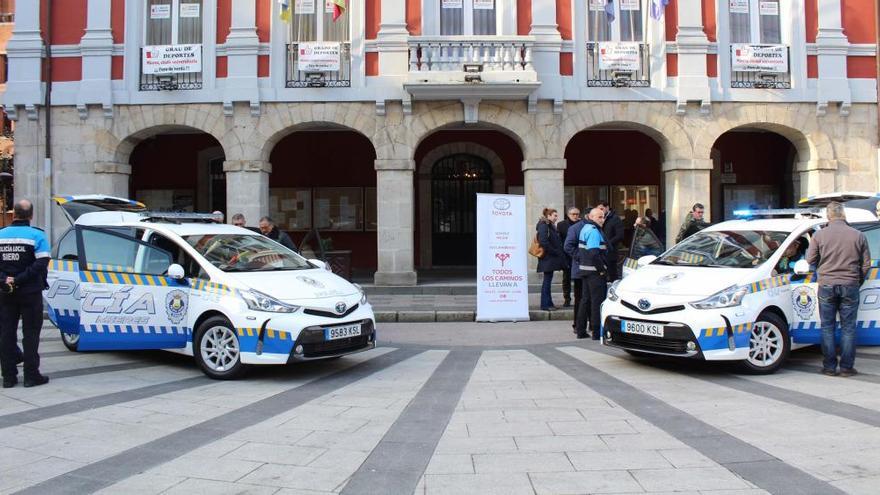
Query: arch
x,y
423,168
659,124
126,145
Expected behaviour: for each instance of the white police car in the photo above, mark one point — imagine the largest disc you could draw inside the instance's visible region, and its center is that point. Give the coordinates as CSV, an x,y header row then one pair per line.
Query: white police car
x,y
123,278
737,291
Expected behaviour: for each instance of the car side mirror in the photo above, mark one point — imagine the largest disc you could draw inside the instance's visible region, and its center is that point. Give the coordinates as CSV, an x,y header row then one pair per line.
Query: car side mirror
x,y
801,267
319,264
176,272
646,260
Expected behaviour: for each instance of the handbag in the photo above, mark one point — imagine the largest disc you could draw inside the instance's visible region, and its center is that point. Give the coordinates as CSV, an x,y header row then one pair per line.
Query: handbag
x,y
535,248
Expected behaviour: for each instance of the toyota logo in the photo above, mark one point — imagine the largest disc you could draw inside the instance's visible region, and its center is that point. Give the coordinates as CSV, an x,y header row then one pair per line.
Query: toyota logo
x,y
341,307
501,204
644,304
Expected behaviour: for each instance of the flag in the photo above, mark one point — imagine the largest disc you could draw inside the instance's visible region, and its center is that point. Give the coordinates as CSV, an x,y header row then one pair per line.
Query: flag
x,y
609,11
338,8
657,7
285,10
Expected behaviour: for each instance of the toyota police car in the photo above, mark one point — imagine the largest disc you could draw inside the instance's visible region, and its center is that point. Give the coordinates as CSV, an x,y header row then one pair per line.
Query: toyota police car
x,y
123,278
736,291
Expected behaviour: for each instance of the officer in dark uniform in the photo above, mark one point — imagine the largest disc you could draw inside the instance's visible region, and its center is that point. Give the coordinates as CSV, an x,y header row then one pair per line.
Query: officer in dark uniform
x,y
24,261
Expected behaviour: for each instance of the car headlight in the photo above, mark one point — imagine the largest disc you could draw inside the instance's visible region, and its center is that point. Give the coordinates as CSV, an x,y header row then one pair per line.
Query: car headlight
x,y
258,301
363,294
612,291
731,296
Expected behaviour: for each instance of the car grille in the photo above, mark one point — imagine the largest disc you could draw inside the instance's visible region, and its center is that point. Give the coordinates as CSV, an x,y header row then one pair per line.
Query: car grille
x,y
330,314
314,345
655,311
674,342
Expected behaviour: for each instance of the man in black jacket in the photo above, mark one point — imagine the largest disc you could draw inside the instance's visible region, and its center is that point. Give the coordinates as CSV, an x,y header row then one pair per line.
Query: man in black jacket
x,y
613,231
572,216
270,230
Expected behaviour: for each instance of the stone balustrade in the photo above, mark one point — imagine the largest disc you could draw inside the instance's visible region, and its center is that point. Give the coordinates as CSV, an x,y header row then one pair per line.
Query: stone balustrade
x,y
453,53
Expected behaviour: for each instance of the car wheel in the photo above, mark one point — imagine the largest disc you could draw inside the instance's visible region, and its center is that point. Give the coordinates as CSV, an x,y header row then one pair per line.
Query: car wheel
x,y
637,354
71,341
769,345
217,350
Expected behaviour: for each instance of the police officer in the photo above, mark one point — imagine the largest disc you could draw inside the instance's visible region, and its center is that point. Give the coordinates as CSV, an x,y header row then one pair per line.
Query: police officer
x,y
24,259
593,268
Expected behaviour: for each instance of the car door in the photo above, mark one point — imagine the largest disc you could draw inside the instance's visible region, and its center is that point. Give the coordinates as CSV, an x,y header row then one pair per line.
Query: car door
x,y
127,301
62,296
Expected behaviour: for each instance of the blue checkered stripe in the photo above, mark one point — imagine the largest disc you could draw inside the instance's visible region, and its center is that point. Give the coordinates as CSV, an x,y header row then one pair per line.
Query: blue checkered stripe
x,y
867,332
66,320
137,329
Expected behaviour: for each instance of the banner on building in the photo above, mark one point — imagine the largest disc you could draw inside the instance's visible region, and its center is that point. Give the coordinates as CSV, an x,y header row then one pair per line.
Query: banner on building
x,y
171,59
502,268
622,56
759,58
318,57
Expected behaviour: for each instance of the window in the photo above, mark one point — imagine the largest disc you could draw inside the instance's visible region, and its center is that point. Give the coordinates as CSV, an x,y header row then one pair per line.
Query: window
x,y
190,266
627,24
348,209
66,248
339,208
755,22
106,251
729,249
872,234
4,68
7,10
173,22
310,23
468,17
246,253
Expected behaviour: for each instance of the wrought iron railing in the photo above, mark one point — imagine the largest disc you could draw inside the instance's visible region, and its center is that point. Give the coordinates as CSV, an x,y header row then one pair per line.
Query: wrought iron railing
x,y
454,53
169,82
618,78
319,79
760,80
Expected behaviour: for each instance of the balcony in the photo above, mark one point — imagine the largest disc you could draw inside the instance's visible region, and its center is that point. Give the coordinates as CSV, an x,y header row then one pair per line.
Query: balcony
x,y
318,65
171,68
618,65
759,66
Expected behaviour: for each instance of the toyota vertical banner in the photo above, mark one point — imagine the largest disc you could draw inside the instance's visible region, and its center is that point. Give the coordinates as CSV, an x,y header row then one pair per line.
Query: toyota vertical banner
x,y
502,268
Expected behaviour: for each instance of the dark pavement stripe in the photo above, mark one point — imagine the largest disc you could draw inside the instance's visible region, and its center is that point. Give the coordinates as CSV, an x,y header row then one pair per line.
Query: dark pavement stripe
x,y
56,354
807,368
398,462
742,458
107,368
114,469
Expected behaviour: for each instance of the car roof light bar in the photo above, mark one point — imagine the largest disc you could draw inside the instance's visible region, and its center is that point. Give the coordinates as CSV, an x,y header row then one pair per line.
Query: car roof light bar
x,y
777,212
180,217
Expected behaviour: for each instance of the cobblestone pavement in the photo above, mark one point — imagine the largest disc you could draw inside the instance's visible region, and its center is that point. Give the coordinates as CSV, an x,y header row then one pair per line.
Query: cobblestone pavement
x,y
442,408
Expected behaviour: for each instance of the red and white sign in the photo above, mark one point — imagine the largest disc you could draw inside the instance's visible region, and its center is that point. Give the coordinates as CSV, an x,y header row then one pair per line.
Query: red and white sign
x,y
766,7
172,59
739,6
318,57
502,268
759,58
622,56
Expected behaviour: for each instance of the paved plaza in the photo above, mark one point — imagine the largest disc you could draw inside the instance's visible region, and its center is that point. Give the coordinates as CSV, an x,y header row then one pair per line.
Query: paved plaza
x,y
450,408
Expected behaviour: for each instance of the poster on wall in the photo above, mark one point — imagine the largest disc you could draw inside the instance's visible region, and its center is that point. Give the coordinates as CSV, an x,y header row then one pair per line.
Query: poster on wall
x,y
622,56
318,57
190,10
739,6
768,8
304,7
759,58
502,267
160,11
450,4
172,59
629,5
484,4
597,5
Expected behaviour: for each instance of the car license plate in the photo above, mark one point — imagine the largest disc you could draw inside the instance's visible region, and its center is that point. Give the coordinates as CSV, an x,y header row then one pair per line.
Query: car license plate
x,y
642,328
336,333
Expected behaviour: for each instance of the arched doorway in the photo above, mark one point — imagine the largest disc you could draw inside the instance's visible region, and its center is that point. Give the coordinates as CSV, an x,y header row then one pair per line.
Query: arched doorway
x,y
455,182
618,165
752,168
179,169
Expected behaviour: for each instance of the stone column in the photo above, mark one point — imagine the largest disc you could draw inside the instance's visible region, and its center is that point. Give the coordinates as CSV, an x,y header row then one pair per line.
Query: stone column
x,y
247,188
544,182
112,178
242,46
25,51
687,181
693,45
395,192
548,46
816,177
97,51
832,46
392,39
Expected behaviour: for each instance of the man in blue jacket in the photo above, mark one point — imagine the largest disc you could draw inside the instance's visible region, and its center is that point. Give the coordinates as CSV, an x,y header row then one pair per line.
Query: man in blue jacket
x,y
593,269
570,246
24,262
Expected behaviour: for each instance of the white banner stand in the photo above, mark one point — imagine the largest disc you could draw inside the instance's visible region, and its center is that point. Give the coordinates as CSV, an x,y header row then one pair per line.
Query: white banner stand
x,y
502,268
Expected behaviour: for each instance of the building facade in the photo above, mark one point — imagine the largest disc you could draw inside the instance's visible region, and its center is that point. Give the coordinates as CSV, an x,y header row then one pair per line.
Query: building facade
x,y
376,124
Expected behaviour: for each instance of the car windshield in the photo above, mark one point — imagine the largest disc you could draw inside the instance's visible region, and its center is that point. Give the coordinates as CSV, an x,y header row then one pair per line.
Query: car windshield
x,y
725,248
246,253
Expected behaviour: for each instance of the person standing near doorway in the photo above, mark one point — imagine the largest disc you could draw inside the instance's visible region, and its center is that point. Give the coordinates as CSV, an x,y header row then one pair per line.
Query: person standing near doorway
x,y
553,259
842,259
570,246
693,223
593,269
572,217
613,230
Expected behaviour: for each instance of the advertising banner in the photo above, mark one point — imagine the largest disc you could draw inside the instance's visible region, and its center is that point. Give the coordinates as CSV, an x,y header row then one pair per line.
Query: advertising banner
x,y
502,268
759,58
318,57
621,56
172,59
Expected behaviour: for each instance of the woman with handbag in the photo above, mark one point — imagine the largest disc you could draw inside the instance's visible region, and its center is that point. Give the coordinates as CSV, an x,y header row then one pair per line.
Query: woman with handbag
x,y
552,258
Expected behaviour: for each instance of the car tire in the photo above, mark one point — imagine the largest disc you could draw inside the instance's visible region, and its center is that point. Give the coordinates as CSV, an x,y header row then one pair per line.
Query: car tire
x,y
637,354
71,341
217,350
769,345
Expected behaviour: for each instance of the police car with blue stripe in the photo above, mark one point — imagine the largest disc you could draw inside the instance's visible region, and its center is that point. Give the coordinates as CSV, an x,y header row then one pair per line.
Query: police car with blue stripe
x,y
123,278
737,291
